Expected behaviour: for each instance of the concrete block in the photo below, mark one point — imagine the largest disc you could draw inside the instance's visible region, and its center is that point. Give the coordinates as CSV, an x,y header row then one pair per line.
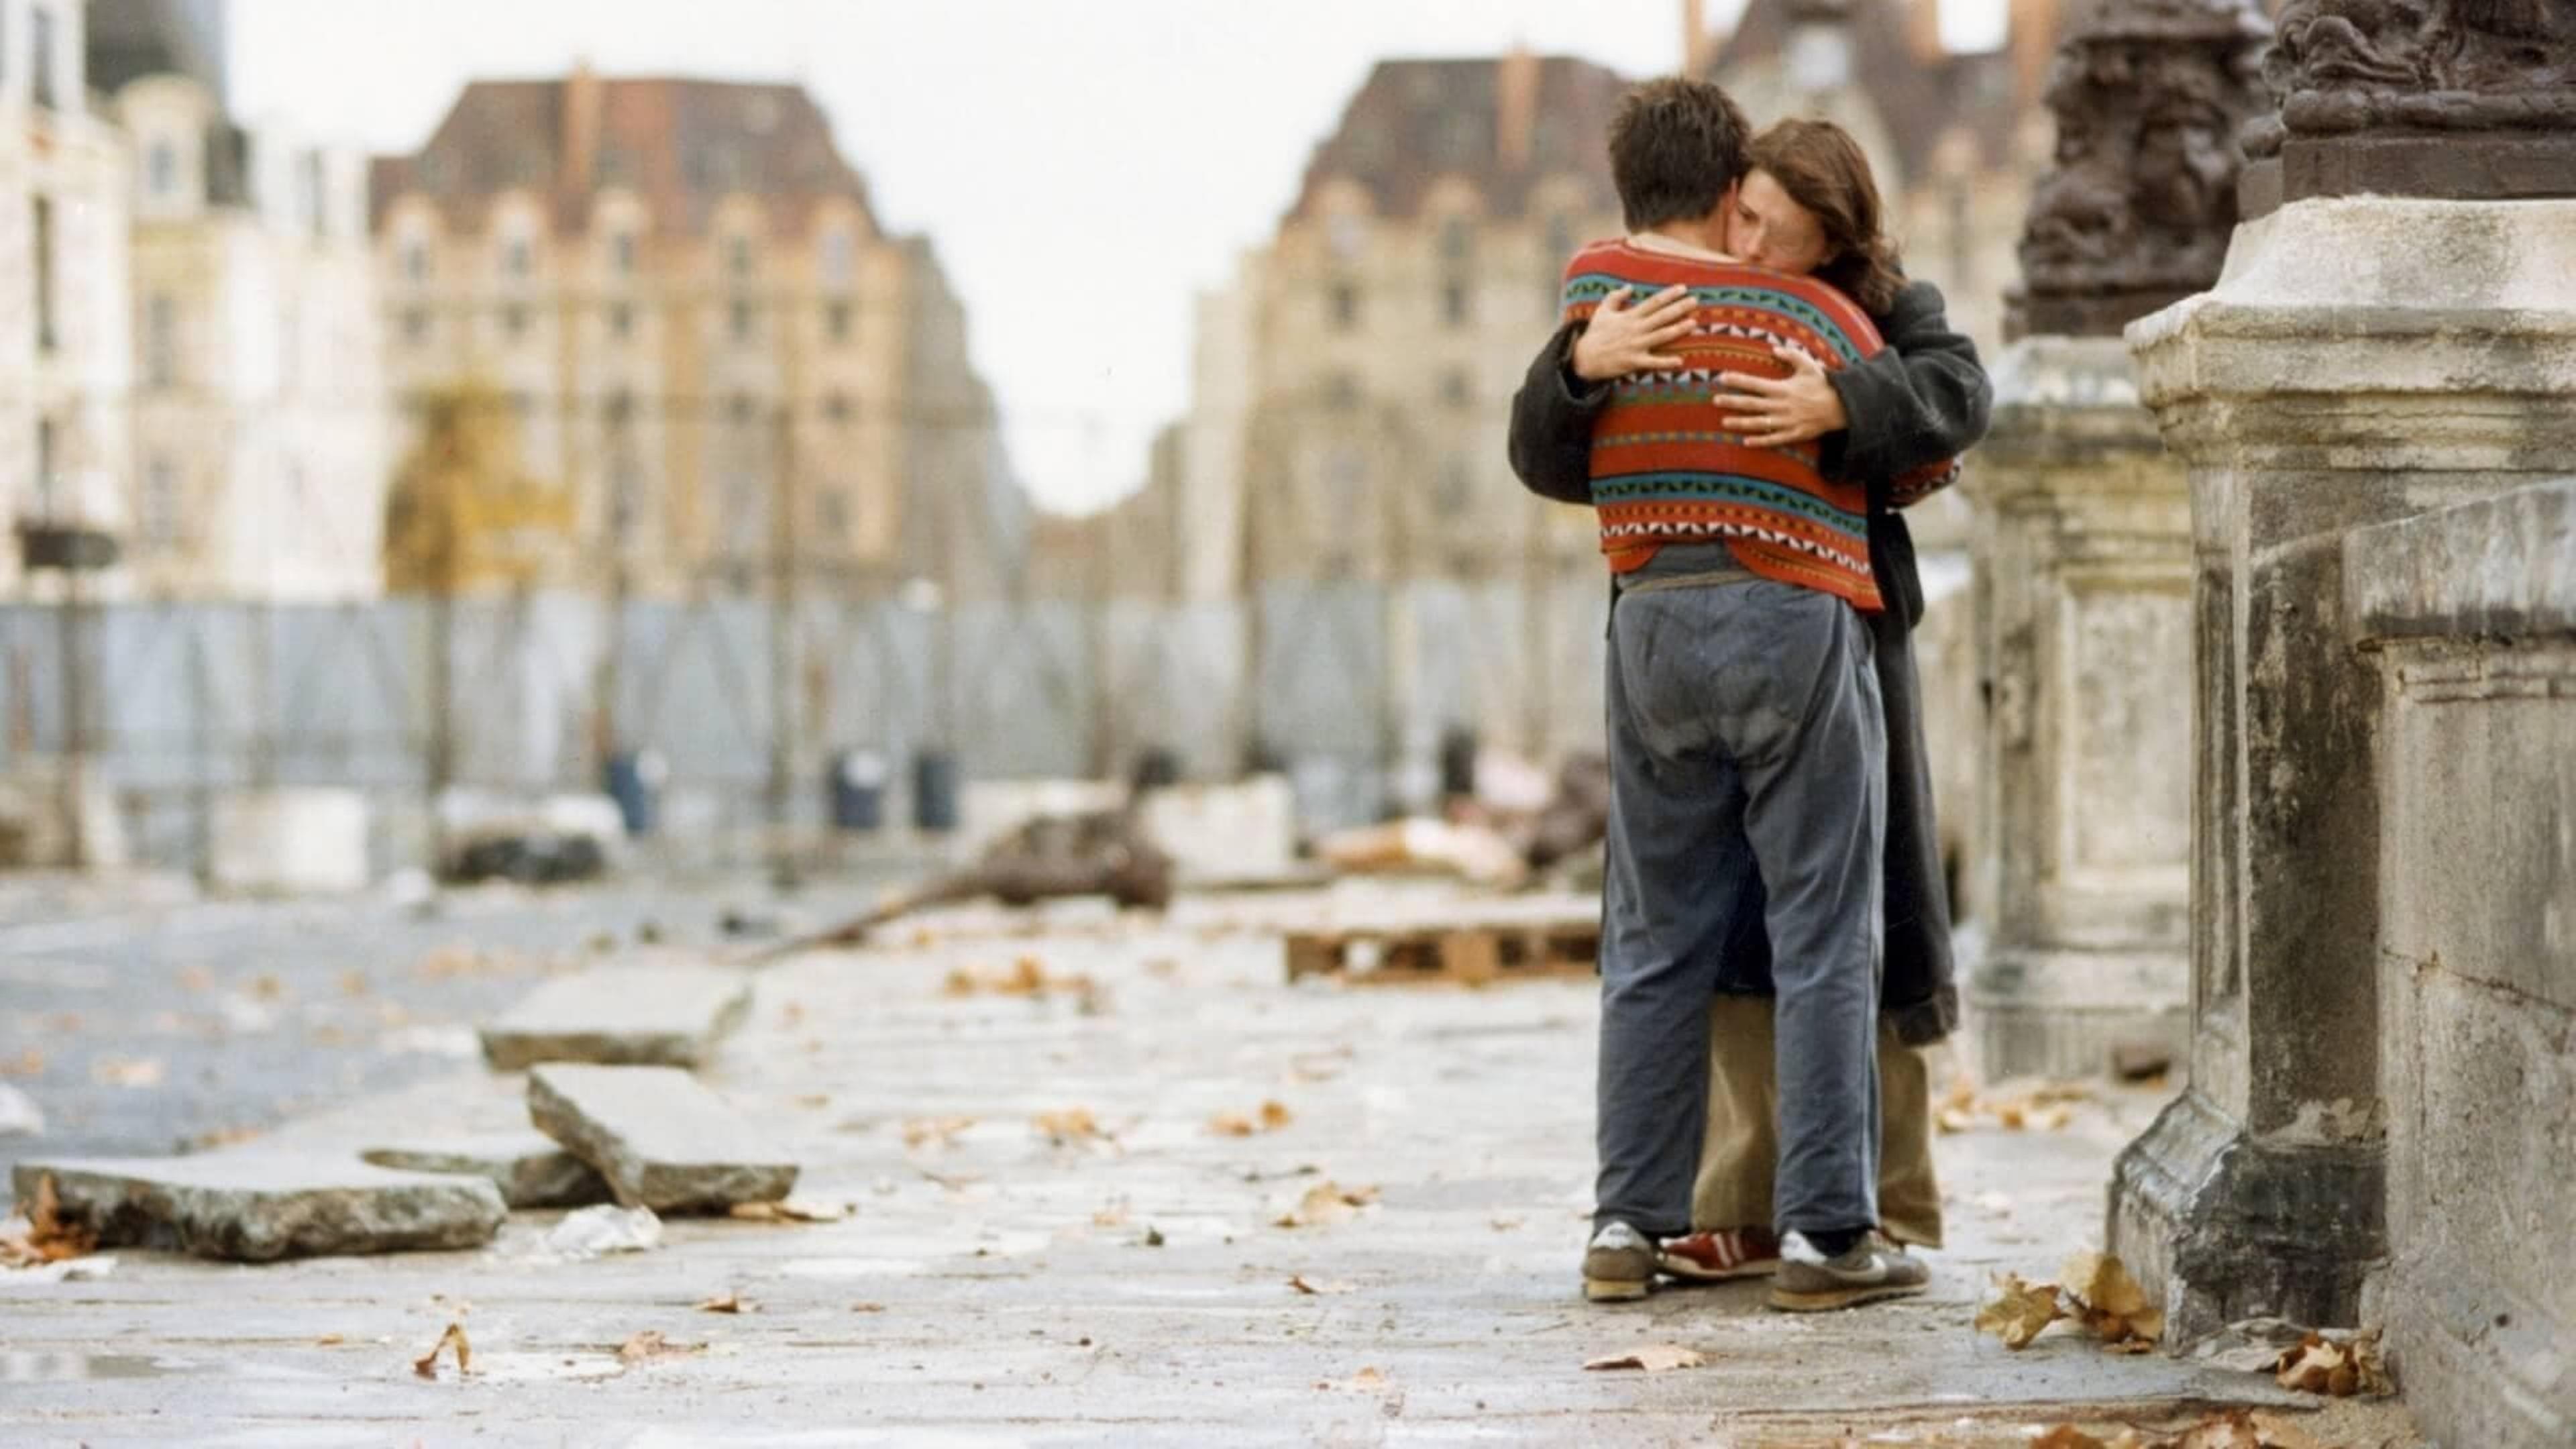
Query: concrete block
x,y
291,842
260,1205
652,1015
660,1137
1221,833
531,1169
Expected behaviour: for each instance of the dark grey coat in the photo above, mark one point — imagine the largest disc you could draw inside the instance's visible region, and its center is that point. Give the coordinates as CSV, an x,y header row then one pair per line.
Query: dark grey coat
x,y
1925,399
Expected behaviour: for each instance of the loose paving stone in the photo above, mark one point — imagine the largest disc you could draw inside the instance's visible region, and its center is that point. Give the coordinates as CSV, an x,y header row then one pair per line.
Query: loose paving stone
x,y
659,1136
531,1169
660,1015
260,1205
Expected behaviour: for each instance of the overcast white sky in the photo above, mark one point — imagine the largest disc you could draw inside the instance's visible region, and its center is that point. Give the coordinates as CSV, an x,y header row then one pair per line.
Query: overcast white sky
x,y
1085,166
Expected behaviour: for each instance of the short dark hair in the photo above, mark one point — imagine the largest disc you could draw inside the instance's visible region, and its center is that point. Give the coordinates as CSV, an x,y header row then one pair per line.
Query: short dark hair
x,y
1675,146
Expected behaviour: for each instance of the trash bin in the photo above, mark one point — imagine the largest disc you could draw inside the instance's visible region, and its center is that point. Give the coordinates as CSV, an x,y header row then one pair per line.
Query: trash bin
x,y
635,781
934,792
858,791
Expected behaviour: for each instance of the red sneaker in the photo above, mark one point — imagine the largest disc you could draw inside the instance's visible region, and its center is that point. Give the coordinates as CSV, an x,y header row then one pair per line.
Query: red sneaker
x,y
1719,1256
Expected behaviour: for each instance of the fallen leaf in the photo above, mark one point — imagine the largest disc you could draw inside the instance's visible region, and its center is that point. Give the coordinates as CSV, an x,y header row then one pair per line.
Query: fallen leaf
x,y
123,1072
1112,1216
229,1137
2020,1312
733,1303
1068,1127
1654,1359
2067,1436
1275,1116
2114,1306
330,1340
650,1346
1327,1203
789,1210
1326,1289
867,1308
943,1131
2340,1368
48,1239
1231,1124
427,1364
1953,1120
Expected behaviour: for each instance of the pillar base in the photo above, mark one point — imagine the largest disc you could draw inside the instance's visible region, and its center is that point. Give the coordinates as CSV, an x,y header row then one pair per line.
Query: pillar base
x,y
2222,1227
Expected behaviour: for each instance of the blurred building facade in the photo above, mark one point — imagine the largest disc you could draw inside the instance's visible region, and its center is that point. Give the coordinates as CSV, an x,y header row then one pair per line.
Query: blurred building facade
x,y
66,343
680,291
260,422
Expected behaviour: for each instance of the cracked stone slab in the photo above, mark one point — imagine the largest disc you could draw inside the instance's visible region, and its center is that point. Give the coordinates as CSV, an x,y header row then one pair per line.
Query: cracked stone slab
x,y
531,1169
264,1204
650,1015
660,1137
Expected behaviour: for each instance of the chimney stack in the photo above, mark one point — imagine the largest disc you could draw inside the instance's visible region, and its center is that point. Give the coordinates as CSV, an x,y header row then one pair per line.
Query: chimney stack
x,y
582,99
1516,78
1695,37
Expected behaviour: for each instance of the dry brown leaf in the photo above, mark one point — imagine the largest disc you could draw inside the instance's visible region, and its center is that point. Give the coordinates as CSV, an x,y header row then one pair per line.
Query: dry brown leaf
x,y
789,1210
1231,1124
1953,1120
1272,1117
867,1308
1068,1127
2020,1312
2227,1431
1654,1359
2342,1369
1275,1116
48,1238
1327,1203
330,1340
2114,1306
942,1131
1368,1378
427,1364
733,1303
650,1345
1325,1289
2067,1436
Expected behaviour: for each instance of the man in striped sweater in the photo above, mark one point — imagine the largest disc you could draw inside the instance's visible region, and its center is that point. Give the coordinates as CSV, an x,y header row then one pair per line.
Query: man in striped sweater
x,y
1747,744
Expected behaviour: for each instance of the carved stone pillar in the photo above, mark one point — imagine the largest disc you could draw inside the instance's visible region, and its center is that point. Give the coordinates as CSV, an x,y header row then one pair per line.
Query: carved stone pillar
x,y
2363,360
2083,549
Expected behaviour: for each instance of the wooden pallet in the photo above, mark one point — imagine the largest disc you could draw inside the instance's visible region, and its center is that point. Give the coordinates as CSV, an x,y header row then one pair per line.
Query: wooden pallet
x,y
1453,953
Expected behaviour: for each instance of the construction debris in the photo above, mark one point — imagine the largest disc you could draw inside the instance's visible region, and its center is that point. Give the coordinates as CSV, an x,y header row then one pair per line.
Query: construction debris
x,y
648,1015
659,1136
1053,857
600,1231
258,1205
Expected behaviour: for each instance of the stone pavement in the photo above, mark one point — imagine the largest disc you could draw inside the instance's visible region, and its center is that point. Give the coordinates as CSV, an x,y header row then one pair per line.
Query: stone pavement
x,y
1051,1242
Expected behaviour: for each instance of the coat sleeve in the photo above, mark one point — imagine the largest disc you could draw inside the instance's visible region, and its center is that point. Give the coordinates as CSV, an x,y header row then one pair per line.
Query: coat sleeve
x,y
1552,417
1915,408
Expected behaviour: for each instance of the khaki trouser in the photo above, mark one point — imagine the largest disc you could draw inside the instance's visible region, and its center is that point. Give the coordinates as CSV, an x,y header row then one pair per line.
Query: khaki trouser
x,y
1736,1157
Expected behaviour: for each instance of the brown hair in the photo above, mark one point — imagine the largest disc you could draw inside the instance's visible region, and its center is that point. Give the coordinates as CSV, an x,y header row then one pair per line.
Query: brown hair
x,y
1822,168
1675,146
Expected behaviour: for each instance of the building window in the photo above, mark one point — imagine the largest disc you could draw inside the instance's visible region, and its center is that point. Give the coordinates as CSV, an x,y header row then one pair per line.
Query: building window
x,y
161,169
517,257
621,253
1346,305
160,503
837,407
839,319
1457,304
416,326
41,42
49,447
625,499
621,320
160,340
839,257
514,321
46,336
742,321
1457,389
415,259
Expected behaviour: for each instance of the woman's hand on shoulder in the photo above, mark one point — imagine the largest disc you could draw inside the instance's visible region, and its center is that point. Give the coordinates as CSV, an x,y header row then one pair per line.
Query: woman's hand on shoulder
x,y
1799,408
1620,340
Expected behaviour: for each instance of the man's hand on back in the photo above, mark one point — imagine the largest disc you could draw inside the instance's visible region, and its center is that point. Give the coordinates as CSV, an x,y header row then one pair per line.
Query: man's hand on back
x,y
1621,340
1799,408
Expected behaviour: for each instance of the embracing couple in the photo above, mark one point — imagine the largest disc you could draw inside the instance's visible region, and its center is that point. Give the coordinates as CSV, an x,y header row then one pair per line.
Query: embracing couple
x,y
1745,390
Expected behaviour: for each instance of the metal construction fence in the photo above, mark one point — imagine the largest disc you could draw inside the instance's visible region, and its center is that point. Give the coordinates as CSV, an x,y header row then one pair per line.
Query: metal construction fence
x,y
751,704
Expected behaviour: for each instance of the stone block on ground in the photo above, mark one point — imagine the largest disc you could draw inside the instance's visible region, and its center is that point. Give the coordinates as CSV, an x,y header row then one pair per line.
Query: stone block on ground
x,y
666,1015
660,1137
261,1205
531,1169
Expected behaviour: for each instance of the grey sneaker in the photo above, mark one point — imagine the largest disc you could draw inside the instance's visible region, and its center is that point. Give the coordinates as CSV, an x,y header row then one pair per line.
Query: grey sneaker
x,y
1619,1266
1874,1269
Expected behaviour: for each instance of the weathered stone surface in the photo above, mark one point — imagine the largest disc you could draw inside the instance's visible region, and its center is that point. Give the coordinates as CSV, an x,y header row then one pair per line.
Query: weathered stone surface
x,y
656,1015
659,1136
531,1169
19,1114
261,1205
